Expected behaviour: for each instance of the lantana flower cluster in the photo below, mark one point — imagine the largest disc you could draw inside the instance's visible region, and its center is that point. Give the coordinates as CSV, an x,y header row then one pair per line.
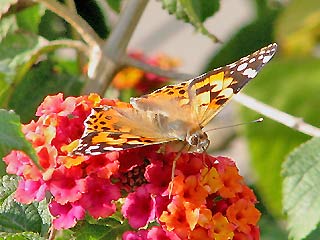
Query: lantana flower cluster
x,y
144,82
208,198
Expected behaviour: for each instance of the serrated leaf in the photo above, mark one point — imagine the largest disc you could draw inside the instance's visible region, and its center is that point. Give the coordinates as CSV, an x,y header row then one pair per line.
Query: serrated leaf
x,y
11,136
195,12
43,79
291,86
8,184
21,236
16,217
301,189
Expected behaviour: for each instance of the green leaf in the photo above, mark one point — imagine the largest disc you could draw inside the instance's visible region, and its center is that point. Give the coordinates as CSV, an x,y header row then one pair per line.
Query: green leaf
x,y
115,5
8,184
301,189
52,27
112,230
16,217
193,11
291,86
15,49
11,136
297,27
30,18
46,78
20,236
270,229
92,13
249,38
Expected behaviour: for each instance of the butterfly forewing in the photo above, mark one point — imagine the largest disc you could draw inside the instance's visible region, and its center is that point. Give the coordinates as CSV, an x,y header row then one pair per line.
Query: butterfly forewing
x,y
113,129
169,113
210,91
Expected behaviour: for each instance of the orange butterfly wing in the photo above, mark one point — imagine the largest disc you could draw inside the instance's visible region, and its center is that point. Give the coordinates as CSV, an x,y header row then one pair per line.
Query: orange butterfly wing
x,y
211,91
169,113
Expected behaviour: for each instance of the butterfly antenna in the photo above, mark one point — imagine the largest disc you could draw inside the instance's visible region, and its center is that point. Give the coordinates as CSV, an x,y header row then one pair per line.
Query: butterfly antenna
x,y
235,125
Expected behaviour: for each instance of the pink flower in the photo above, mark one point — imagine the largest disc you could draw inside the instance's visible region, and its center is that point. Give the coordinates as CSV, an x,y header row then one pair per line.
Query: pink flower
x,y
155,233
20,164
139,207
56,105
66,216
67,184
98,198
139,235
29,191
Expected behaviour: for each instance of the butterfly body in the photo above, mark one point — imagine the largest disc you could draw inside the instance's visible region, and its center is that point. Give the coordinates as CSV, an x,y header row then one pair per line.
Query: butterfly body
x,y
173,113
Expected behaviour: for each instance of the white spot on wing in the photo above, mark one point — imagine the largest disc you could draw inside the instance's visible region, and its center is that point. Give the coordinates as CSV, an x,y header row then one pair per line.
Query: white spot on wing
x,y
87,151
242,67
251,73
93,147
266,59
112,149
244,59
252,60
232,65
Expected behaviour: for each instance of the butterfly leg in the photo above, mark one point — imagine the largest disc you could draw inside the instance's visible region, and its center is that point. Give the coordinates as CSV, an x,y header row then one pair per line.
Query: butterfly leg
x,y
174,164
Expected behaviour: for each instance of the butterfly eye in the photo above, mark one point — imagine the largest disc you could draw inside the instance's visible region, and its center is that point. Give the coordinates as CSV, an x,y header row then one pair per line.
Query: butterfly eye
x,y
193,139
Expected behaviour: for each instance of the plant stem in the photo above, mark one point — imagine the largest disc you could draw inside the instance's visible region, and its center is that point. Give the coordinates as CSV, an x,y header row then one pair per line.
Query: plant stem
x,y
277,115
262,108
104,65
83,28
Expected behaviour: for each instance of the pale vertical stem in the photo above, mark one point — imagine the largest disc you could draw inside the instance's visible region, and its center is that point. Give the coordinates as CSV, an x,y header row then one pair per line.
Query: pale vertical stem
x,y
107,60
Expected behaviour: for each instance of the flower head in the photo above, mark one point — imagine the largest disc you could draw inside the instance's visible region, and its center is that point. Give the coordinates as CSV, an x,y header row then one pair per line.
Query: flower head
x,y
209,199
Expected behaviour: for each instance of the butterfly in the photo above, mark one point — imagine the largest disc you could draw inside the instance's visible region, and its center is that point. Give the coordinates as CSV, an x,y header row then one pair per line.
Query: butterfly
x,y
172,113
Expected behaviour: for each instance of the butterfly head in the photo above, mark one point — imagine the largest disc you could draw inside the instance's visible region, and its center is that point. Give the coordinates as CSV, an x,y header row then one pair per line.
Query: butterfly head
x,y
199,140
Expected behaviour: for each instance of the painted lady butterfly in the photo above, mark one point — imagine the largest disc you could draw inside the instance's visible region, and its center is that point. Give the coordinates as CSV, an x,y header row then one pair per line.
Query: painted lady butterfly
x,y
172,113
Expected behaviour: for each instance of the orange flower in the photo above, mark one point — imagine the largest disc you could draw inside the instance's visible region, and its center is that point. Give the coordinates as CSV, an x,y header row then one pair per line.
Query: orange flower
x,y
166,62
127,78
193,191
200,233
232,182
221,228
243,214
210,180
175,218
